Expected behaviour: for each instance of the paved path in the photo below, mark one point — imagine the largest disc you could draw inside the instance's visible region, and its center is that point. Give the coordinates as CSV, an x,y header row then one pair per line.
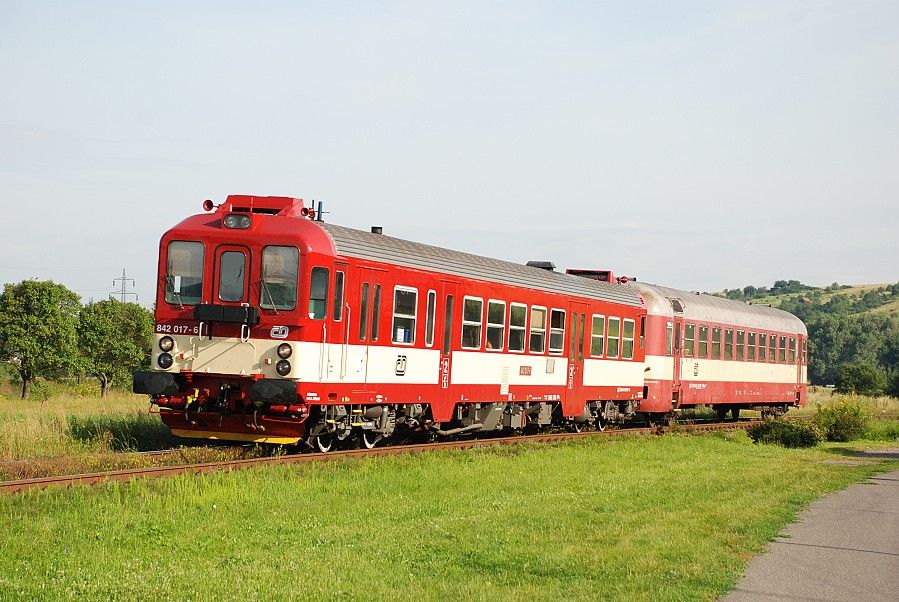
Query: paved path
x,y
844,547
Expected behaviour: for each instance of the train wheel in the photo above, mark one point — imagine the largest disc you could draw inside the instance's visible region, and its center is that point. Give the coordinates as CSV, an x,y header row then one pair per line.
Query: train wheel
x,y
601,423
721,411
370,440
324,442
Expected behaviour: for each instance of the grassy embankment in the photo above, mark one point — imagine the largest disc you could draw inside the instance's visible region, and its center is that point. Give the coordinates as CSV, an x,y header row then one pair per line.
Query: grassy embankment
x,y
672,517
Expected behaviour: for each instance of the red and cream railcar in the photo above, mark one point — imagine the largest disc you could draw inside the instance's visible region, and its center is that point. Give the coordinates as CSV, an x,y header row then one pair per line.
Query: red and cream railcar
x,y
272,326
707,350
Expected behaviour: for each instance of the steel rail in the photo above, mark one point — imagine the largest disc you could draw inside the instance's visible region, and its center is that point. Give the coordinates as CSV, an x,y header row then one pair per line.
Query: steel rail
x,y
228,465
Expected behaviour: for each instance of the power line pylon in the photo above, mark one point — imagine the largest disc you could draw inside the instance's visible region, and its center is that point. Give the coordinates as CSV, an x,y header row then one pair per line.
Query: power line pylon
x,y
123,293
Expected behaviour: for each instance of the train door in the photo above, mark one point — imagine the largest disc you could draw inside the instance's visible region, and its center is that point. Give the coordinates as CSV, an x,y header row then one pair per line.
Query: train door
x,y
359,327
575,386
339,318
232,268
448,297
678,327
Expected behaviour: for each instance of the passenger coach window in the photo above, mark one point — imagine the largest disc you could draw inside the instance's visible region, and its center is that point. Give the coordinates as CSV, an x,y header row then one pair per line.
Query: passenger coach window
x,y
597,334
728,343
741,344
792,359
750,349
405,304
689,339
716,342
278,286
518,314
429,320
363,313
669,337
614,337
184,272
232,276
772,348
472,315
703,341
376,313
782,358
338,296
627,340
556,331
538,330
318,294
763,346
805,352
448,325
496,325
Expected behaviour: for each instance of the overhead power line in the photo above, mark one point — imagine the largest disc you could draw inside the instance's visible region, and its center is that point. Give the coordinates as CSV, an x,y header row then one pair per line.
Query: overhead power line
x,y
123,293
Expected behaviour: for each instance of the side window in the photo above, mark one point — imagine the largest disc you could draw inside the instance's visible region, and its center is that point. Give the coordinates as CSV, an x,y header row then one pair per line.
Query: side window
x,y
429,319
614,337
669,338
763,346
278,287
472,315
518,314
557,331
750,347
792,358
772,347
184,272
580,339
597,336
376,313
627,340
782,358
642,332
689,339
405,306
728,343
805,352
496,325
538,330
338,296
318,294
716,341
448,325
363,313
703,340
741,344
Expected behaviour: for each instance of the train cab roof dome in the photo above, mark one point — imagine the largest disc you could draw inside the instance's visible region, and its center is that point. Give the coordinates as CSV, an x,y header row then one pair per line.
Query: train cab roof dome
x,y
269,205
664,301
386,249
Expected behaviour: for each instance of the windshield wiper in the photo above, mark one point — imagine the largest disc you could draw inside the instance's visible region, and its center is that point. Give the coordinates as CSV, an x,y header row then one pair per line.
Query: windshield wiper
x,y
264,287
170,286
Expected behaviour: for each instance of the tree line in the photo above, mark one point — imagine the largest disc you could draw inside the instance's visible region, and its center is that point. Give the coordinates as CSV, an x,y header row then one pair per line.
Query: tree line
x,y
46,332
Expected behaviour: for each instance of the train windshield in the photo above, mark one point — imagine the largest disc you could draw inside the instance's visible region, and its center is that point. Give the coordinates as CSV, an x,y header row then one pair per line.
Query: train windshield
x,y
278,288
184,273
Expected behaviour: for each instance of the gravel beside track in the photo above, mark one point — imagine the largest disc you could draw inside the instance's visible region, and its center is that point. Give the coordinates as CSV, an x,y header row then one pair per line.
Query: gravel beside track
x,y
167,471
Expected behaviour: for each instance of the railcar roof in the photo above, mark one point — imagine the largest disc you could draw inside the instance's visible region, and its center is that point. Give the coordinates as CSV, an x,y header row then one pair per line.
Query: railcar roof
x,y
386,249
709,308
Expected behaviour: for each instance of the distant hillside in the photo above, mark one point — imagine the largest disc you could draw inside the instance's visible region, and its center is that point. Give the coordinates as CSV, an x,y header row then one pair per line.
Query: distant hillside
x,y
853,330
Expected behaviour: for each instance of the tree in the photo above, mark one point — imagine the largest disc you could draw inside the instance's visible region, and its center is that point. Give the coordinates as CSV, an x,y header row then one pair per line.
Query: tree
x,y
115,339
38,329
863,379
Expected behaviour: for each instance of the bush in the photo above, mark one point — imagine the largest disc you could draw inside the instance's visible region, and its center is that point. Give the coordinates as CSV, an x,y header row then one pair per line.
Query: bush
x,y
863,379
843,420
787,434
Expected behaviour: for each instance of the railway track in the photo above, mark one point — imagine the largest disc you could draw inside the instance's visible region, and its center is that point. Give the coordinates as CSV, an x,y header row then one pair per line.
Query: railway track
x,y
21,485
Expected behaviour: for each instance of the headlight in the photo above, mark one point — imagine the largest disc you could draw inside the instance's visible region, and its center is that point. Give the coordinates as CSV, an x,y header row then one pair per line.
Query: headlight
x,y
237,222
165,361
284,351
283,367
166,344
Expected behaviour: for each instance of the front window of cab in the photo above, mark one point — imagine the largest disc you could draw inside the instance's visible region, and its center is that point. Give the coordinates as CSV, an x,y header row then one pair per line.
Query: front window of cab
x,y
278,289
184,272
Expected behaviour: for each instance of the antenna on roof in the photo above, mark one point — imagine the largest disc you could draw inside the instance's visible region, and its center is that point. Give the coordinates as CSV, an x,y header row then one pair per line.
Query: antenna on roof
x,y
319,215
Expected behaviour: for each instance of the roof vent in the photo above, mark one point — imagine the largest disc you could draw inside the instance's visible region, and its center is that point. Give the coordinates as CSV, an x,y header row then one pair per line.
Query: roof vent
x,y
543,265
377,230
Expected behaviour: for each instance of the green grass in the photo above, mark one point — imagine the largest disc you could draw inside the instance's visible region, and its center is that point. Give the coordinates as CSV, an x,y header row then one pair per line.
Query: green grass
x,y
645,518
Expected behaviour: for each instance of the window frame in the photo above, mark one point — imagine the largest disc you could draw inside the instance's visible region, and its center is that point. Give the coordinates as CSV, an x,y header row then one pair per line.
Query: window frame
x,y
168,275
703,341
479,324
631,338
532,330
741,345
728,343
339,294
501,326
430,317
405,289
523,329
601,336
327,291
751,340
716,330
560,350
609,337
782,349
296,281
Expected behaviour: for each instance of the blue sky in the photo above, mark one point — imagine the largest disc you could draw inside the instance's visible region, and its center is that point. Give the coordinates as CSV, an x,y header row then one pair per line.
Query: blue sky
x,y
700,145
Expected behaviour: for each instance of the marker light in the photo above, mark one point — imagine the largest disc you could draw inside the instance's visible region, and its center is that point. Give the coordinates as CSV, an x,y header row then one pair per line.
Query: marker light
x,y
237,222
